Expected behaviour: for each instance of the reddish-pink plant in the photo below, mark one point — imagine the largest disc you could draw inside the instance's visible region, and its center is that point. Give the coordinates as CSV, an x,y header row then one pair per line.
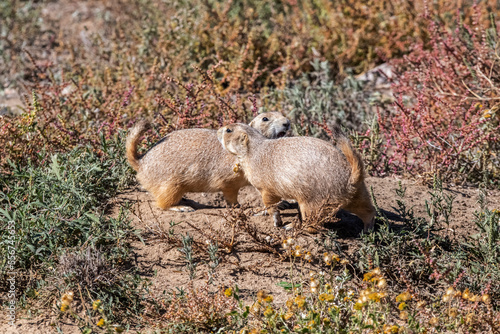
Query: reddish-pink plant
x,y
446,116
197,104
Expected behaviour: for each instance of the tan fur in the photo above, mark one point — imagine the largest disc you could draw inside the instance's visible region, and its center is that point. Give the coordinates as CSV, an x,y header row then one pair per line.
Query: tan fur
x,y
193,160
132,141
309,170
354,159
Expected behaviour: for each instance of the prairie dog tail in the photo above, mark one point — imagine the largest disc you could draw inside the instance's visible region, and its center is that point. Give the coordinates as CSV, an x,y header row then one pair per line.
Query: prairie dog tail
x,y
132,140
354,159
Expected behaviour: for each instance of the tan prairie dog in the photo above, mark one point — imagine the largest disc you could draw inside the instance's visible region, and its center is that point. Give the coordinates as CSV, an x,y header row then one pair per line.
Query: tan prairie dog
x,y
309,170
193,160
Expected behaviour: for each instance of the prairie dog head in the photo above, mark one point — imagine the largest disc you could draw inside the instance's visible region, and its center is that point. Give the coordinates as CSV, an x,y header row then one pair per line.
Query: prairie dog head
x,y
271,124
235,138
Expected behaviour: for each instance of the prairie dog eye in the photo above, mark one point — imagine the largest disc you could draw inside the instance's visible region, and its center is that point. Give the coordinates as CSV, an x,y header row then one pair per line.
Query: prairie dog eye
x,y
265,119
229,130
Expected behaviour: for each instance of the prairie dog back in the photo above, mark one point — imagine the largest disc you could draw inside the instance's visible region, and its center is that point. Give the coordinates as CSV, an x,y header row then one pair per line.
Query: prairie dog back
x,y
301,168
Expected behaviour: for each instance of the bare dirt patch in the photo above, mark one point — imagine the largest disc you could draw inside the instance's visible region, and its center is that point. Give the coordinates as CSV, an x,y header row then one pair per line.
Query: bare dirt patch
x,y
247,266
250,265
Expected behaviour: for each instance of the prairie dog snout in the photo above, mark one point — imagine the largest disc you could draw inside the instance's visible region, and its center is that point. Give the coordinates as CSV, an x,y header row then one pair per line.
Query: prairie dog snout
x,y
271,124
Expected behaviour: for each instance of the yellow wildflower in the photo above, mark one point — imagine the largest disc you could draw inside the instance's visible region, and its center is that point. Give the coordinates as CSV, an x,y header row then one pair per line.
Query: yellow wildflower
x,y
402,306
466,294
255,308
388,329
300,301
268,312
288,243
421,304
100,323
118,329
297,252
67,298
269,299
66,301
261,295
96,304
287,315
330,298
327,258
469,319
475,298
358,306
403,297
434,322
228,292
375,296
453,312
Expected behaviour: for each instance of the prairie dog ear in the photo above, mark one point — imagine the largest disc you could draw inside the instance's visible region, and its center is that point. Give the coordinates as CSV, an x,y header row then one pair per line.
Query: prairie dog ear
x,y
238,145
243,140
252,123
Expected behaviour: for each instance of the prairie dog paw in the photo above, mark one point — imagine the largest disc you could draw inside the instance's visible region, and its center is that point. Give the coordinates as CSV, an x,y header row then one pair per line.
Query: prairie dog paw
x,y
261,213
277,219
182,208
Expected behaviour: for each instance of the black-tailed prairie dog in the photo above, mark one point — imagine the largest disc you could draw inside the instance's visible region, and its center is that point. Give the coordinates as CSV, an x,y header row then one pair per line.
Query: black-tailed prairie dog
x,y
193,160
309,170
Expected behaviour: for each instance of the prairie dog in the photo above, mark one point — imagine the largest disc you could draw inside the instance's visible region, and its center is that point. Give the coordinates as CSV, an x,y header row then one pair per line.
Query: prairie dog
x,y
309,170
193,160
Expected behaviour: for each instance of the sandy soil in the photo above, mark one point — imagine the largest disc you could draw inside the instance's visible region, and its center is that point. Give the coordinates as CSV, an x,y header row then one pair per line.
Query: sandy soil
x,y
245,262
250,268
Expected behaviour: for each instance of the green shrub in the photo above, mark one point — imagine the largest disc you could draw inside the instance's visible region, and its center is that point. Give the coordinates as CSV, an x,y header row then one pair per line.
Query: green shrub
x,y
316,98
63,230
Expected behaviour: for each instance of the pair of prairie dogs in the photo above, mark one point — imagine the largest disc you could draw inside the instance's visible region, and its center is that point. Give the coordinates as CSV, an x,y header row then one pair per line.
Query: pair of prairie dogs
x,y
311,171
